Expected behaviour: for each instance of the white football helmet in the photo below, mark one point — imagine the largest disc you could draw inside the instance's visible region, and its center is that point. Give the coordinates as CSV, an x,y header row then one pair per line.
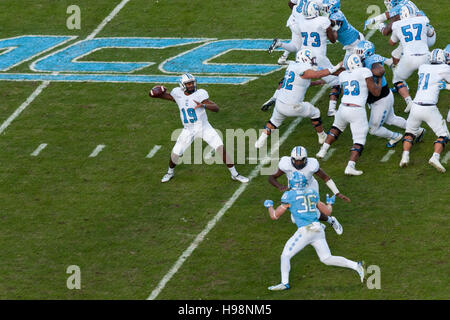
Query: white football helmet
x,y
407,11
437,56
306,56
186,78
299,157
353,62
311,10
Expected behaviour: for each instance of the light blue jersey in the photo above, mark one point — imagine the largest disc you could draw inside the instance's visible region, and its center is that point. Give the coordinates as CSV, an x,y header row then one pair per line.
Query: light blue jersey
x,y
447,49
303,205
397,9
371,60
347,34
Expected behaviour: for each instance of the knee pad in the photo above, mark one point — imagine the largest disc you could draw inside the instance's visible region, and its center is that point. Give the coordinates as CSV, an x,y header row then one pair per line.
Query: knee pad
x,y
336,136
409,137
401,84
357,147
319,122
337,93
443,141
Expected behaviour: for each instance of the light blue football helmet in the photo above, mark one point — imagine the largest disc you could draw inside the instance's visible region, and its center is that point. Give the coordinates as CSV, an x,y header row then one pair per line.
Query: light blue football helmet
x,y
365,49
330,6
298,181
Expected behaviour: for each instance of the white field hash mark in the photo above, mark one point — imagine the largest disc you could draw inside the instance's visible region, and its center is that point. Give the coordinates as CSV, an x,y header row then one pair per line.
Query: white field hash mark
x,y
97,150
153,151
446,157
329,154
38,150
387,156
45,84
186,253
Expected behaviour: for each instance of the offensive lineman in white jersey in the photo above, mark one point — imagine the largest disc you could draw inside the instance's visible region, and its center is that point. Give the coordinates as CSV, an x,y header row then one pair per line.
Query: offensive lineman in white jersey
x,y
411,31
356,83
309,167
424,108
193,104
290,98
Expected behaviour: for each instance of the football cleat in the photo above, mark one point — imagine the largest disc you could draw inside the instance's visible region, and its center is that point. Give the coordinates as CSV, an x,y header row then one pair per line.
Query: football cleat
x,y
420,136
322,137
350,171
268,104
435,163
167,177
261,140
276,43
336,225
321,154
240,178
279,287
331,112
404,162
392,142
282,60
361,270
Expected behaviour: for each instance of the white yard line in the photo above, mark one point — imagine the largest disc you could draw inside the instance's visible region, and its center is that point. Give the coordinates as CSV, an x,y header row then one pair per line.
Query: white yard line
x,y
329,154
446,157
97,150
186,253
153,151
387,156
45,84
38,149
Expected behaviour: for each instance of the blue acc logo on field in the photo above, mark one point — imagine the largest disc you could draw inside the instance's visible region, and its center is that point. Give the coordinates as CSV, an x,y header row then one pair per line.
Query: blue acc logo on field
x,y
65,65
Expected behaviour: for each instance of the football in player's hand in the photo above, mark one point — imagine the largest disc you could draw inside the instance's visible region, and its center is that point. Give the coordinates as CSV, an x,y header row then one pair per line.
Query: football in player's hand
x,y
157,91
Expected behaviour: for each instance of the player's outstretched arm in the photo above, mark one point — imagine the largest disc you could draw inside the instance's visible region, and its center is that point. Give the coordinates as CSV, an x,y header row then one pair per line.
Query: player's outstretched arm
x,y
273,181
207,104
316,74
326,209
275,214
331,185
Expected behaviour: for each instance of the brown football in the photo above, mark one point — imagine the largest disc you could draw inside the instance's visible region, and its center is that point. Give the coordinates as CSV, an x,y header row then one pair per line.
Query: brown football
x,y
157,91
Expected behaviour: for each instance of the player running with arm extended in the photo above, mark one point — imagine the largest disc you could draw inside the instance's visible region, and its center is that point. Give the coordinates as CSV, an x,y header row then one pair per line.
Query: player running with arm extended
x,y
424,108
356,83
304,205
290,98
300,162
193,104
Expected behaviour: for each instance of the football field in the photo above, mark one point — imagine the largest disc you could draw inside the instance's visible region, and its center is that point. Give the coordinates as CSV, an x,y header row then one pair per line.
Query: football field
x,y
83,149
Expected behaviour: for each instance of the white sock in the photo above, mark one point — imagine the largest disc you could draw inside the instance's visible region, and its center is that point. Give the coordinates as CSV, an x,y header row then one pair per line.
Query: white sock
x,y
170,171
285,54
233,171
405,154
325,146
408,100
351,164
436,155
332,105
285,268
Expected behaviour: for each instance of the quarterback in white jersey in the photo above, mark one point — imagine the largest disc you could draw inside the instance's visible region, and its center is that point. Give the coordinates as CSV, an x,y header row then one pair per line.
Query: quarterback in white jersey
x,y
411,32
192,104
290,98
424,108
356,83
309,167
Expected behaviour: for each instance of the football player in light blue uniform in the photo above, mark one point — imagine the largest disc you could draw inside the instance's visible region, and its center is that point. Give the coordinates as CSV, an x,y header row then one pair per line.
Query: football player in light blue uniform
x,y
447,53
382,106
345,33
304,205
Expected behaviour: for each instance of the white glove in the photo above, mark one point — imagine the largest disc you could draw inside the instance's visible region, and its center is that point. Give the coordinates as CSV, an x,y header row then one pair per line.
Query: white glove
x,y
336,67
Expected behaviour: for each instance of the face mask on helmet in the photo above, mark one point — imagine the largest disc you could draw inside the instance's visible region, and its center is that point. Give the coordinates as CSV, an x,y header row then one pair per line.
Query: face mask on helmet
x,y
365,49
299,157
188,83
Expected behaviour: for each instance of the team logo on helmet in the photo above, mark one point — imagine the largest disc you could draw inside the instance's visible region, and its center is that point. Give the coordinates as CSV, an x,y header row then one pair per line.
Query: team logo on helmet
x,y
365,49
352,62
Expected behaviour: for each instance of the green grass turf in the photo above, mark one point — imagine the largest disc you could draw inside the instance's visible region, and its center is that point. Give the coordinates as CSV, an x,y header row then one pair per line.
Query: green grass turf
x,y
111,216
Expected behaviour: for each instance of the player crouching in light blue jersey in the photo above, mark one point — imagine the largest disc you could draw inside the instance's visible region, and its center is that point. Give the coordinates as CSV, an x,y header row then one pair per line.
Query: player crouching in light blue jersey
x,y
304,205
344,32
382,106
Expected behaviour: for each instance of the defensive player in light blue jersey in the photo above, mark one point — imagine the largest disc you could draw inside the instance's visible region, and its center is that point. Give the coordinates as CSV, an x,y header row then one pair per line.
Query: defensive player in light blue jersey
x,y
344,32
447,53
382,106
304,205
